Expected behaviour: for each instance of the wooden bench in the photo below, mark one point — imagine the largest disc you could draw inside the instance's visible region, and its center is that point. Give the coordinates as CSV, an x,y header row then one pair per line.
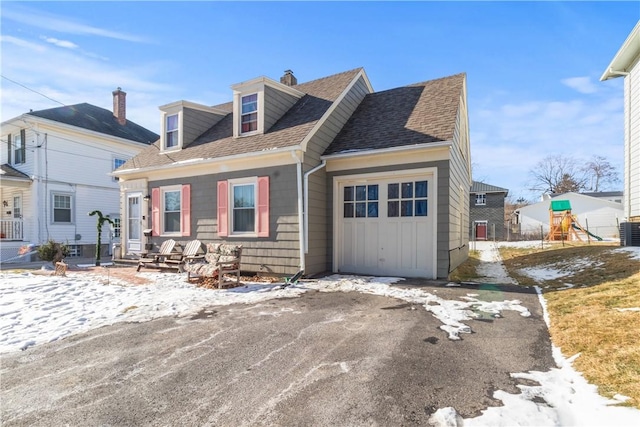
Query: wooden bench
x,y
220,259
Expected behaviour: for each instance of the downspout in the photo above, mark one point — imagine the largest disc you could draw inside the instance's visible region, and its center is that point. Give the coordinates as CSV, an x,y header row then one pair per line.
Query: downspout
x,y
301,228
628,143
306,203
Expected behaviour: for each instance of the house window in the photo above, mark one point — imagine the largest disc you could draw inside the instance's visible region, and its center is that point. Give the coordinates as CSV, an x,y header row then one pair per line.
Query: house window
x,y
243,219
407,199
115,227
249,116
243,207
481,199
62,208
171,211
116,164
360,201
20,148
171,131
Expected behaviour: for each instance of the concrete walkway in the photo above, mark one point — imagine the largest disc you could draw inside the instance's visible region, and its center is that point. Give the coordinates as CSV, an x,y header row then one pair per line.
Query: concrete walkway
x,y
491,268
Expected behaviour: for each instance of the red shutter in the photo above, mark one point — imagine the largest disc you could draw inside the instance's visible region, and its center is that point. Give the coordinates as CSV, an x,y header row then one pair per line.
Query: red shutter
x,y
263,206
185,214
155,211
223,208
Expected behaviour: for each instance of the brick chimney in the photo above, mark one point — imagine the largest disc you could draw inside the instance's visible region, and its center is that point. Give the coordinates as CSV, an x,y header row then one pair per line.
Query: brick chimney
x,y
120,106
288,79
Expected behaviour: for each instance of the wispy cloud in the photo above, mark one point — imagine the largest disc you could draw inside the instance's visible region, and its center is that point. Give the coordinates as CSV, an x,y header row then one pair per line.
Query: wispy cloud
x,y
48,21
581,84
60,43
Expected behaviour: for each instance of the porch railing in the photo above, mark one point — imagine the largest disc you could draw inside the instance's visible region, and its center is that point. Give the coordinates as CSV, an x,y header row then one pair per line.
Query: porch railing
x,y
11,229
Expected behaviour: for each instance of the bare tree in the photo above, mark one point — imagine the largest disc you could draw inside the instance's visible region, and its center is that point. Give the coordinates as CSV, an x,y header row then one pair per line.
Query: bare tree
x,y
557,174
600,172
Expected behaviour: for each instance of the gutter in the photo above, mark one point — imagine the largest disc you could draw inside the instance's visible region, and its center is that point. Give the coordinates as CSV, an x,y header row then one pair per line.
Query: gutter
x,y
306,203
355,153
628,143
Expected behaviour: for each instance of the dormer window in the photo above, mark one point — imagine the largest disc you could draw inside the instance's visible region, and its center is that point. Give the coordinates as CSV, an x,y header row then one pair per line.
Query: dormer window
x,y
172,137
249,120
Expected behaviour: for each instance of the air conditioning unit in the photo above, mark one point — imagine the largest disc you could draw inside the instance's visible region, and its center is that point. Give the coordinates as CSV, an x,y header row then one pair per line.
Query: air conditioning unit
x,y
630,234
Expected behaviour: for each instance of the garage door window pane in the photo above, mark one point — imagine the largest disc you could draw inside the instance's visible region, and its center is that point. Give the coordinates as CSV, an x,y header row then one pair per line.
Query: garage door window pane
x,y
372,192
348,194
407,190
361,192
393,191
407,208
421,189
348,210
421,208
361,210
372,209
393,209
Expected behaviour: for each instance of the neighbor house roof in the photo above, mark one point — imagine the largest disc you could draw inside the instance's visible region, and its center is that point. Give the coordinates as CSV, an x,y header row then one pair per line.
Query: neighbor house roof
x,y
87,116
481,187
9,172
417,114
626,56
289,130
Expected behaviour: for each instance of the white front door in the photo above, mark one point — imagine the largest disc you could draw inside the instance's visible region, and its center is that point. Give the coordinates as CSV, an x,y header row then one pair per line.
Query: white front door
x,y
386,225
134,222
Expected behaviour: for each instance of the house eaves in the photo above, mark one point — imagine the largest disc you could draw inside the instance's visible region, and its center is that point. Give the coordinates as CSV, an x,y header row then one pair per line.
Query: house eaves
x,y
268,82
9,173
626,56
365,152
193,106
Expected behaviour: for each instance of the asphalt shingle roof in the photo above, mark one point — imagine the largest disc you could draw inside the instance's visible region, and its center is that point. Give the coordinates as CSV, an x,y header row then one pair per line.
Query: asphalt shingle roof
x,y
8,171
481,187
416,114
290,130
97,119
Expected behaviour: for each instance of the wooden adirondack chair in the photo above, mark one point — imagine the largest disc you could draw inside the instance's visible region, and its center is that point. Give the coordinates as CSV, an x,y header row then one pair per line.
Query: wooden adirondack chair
x,y
189,254
153,260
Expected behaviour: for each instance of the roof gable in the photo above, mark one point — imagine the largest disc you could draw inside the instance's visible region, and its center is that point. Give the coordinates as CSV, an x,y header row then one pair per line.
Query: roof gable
x,y
218,141
421,113
481,187
90,117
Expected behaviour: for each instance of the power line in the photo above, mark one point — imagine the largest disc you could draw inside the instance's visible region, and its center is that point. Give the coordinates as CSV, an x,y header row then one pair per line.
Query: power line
x,y
32,90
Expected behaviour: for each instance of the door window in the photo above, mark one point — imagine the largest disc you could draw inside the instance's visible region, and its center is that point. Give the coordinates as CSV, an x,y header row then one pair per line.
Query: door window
x,y
360,201
407,199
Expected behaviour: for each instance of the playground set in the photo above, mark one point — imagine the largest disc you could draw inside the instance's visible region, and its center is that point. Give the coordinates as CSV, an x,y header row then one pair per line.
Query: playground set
x,y
563,225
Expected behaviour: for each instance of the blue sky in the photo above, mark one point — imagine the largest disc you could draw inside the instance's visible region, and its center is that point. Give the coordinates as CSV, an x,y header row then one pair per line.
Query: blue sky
x,y
533,68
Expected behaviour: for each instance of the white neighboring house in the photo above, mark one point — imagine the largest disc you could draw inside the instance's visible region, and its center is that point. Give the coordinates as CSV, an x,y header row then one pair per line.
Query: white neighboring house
x,y
599,216
55,167
625,64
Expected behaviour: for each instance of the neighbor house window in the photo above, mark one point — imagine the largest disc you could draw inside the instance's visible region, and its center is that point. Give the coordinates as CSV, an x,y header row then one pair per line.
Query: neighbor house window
x,y
171,210
116,227
171,131
249,116
20,148
243,207
481,199
62,208
116,164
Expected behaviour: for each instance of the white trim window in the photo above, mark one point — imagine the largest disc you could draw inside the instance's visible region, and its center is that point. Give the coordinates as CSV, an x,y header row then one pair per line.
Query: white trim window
x,y
116,164
171,212
20,148
172,131
481,199
249,113
62,208
243,203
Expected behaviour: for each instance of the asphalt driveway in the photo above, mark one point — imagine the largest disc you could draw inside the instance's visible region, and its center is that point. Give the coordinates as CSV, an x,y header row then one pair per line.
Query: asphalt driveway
x,y
321,359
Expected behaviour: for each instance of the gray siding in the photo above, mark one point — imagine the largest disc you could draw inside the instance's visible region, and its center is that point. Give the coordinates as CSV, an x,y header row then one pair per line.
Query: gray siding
x,y
276,254
443,222
195,123
492,212
319,221
276,103
458,198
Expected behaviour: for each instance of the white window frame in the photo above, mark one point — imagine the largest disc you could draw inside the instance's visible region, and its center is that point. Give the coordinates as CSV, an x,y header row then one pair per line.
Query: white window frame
x,y
71,207
170,189
481,199
175,131
20,151
243,182
115,166
256,112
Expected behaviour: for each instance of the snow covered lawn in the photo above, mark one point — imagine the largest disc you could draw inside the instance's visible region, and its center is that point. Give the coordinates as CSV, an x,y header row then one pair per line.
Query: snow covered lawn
x,y
36,309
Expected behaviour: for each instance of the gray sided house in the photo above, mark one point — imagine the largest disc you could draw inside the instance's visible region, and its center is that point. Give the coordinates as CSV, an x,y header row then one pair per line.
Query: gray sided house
x,y
323,176
487,220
